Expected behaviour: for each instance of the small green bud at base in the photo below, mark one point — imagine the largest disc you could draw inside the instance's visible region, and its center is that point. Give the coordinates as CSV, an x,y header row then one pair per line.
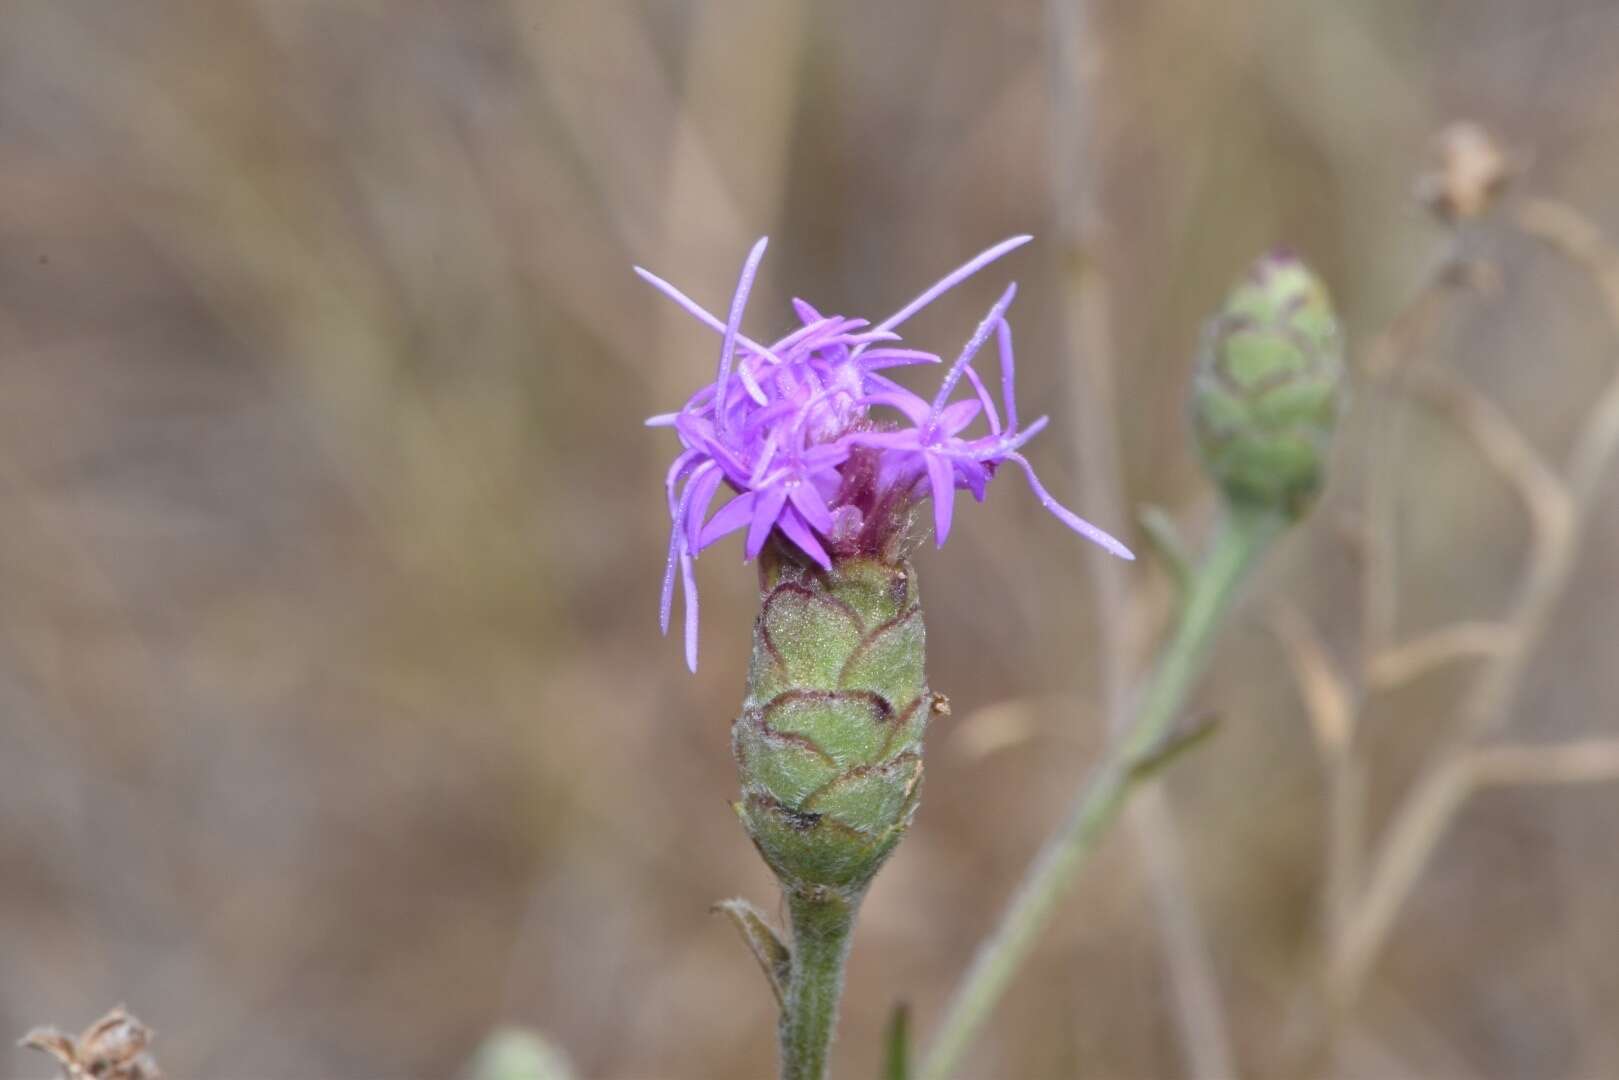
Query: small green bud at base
x,y
829,743
1269,386
516,1054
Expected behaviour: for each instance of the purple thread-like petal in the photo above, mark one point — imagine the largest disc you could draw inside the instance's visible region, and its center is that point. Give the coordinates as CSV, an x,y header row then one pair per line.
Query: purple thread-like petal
x,y
684,463
875,382
973,476
688,590
992,449
869,337
676,550
983,396
700,313
766,509
952,279
914,408
799,533
1013,442
812,506
823,457
774,478
768,415
804,333
693,429
1003,339
666,598
766,456
728,519
899,440
736,470
878,359
953,417
986,326
942,479
1067,516
739,302
750,384
703,486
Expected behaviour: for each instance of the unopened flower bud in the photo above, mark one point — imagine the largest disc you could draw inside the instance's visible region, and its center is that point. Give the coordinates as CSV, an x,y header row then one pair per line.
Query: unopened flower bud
x,y
1269,386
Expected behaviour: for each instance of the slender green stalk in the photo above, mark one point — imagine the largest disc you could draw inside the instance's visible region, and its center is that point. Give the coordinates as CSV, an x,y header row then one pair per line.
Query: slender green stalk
x,y
1243,534
822,922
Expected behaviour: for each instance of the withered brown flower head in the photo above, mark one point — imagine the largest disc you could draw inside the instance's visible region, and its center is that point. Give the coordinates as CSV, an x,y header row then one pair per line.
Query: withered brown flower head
x,y
112,1048
1469,172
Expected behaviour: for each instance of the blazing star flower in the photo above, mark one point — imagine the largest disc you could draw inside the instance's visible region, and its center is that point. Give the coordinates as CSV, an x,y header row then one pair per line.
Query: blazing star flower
x,y
823,450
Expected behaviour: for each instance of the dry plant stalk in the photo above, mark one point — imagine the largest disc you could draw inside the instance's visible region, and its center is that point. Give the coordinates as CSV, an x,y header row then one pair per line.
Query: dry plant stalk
x,y
1359,914
112,1048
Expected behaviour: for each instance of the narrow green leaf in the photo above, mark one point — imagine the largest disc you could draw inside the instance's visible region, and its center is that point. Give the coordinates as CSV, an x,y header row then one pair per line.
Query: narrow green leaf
x,y
1181,739
1165,538
775,959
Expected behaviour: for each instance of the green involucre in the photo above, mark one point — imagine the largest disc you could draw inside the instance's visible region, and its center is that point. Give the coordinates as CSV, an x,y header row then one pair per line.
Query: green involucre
x,y
829,743
1269,387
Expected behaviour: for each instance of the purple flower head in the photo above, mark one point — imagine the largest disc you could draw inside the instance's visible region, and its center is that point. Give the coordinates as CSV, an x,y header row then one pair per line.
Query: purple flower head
x,y
824,451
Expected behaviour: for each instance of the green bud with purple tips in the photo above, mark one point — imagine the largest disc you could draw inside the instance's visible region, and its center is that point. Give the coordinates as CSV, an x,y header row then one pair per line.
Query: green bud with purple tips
x,y
1269,386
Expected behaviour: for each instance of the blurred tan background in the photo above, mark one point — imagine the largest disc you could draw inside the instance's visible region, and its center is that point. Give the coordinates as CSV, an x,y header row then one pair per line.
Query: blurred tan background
x,y
335,729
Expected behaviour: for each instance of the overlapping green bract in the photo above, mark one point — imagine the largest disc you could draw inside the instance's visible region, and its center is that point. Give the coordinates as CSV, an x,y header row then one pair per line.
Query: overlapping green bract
x,y
1268,387
829,743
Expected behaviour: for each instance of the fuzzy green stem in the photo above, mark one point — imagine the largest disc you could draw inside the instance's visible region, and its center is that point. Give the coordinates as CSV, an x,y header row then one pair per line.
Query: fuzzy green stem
x,y
822,921
1244,533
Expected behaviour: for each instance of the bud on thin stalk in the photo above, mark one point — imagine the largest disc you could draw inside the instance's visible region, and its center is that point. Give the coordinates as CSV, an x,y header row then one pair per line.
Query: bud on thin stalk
x,y
1265,398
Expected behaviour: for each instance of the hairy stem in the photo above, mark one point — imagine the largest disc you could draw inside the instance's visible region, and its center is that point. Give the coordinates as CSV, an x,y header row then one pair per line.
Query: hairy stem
x,y
822,921
1242,536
